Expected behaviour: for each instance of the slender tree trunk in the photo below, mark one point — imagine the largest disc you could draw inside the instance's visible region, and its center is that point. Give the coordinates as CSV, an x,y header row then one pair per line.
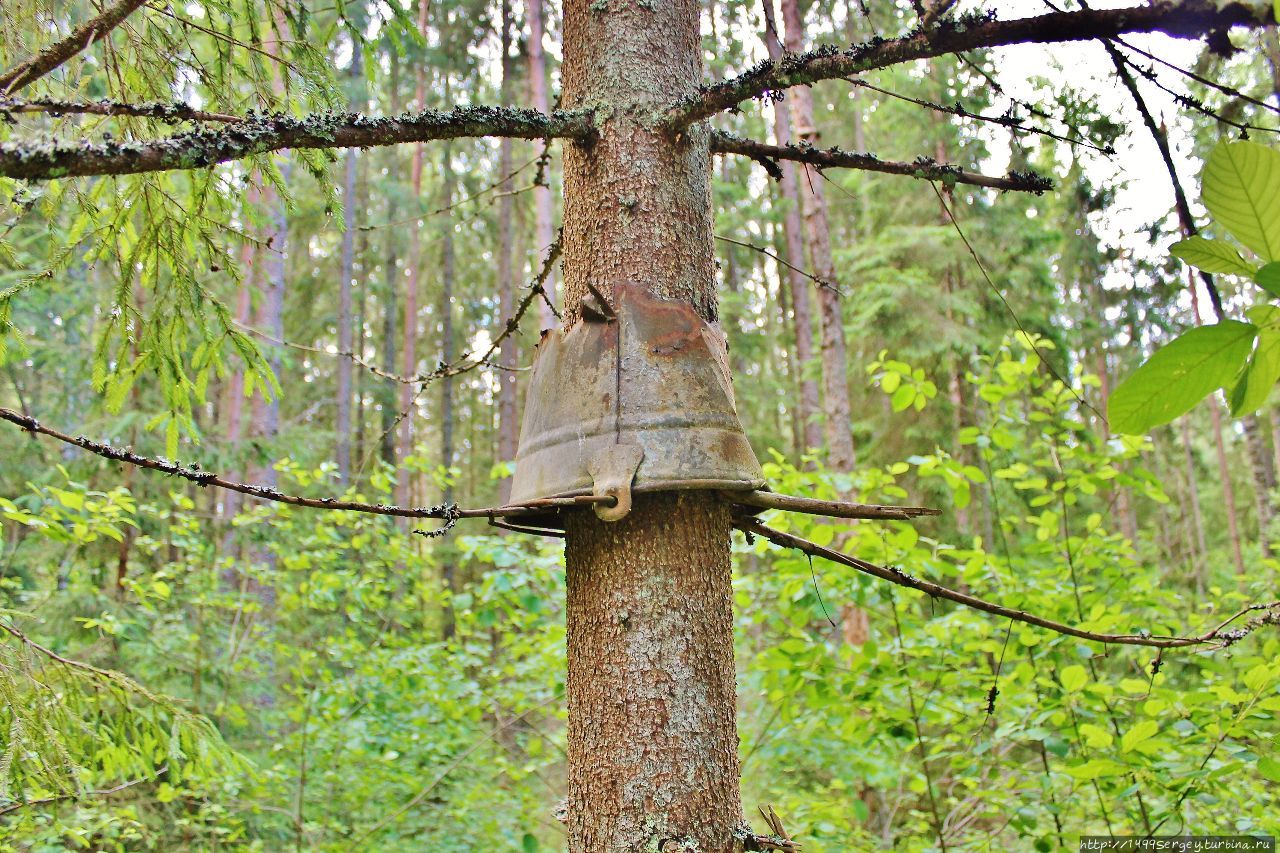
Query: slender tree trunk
x,y
391,280
233,401
835,383
1197,519
508,422
407,393
544,229
448,566
652,741
347,275
801,305
1224,466
1264,479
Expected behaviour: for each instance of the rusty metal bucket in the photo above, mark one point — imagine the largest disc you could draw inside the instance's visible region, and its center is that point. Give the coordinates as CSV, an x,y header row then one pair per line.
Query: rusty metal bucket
x,y
639,387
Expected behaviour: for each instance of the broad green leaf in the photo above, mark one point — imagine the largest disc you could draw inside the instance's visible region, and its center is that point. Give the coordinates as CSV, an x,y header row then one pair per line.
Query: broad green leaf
x,y
1143,731
1096,768
1179,375
1268,278
1214,256
1263,370
1073,678
1241,188
1269,768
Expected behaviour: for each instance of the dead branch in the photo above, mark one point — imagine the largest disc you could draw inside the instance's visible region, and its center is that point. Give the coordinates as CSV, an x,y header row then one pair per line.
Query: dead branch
x,y
1178,18
1218,637
198,475
259,134
925,168
56,54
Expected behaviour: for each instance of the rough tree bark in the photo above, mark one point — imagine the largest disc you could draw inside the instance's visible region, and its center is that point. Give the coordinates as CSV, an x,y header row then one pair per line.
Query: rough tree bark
x,y
835,384
652,740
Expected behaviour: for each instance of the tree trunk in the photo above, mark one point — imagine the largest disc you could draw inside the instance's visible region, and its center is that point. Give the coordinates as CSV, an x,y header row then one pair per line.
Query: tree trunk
x,y
652,740
835,384
407,395
1264,479
1197,520
448,568
346,276
799,286
544,229
390,312
508,422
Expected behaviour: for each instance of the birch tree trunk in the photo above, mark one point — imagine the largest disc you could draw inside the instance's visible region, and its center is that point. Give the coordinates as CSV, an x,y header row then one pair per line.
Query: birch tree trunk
x,y
407,397
652,740
544,229
508,422
342,425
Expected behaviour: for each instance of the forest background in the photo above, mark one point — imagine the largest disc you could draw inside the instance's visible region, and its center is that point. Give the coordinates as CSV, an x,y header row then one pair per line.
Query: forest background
x,y
187,669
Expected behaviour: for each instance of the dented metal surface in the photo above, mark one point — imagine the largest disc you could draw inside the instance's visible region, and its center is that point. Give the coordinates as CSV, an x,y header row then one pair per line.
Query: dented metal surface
x,y
669,393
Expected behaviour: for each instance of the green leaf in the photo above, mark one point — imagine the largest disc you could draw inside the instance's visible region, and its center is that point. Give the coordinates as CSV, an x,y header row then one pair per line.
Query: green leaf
x,y
1137,735
1180,375
1269,768
1214,256
1268,278
1263,370
1241,188
1073,678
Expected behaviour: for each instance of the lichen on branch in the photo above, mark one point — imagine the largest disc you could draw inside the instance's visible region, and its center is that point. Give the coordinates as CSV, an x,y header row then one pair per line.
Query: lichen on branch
x,y
259,134
1180,18
925,168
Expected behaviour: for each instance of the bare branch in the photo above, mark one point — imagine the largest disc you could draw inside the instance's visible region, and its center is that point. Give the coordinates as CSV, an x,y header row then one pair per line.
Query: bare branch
x,y
259,134
59,52
1179,18
201,477
925,168
159,110
1219,636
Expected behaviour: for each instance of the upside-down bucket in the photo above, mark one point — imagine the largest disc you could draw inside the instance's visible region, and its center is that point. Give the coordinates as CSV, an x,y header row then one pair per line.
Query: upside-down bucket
x,y
634,397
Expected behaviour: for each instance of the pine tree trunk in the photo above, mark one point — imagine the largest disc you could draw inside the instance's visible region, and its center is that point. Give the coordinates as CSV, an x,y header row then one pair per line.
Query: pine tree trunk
x,y
835,383
544,229
801,305
508,421
652,741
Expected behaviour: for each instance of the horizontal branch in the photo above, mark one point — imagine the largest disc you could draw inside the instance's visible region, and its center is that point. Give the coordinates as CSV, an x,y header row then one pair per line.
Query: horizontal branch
x,y
1222,635
59,52
259,134
201,477
1180,18
924,167
169,112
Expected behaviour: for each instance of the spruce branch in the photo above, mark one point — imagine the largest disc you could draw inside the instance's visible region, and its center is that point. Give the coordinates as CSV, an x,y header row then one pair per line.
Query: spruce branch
x,y
1178,18
259,134
925,168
